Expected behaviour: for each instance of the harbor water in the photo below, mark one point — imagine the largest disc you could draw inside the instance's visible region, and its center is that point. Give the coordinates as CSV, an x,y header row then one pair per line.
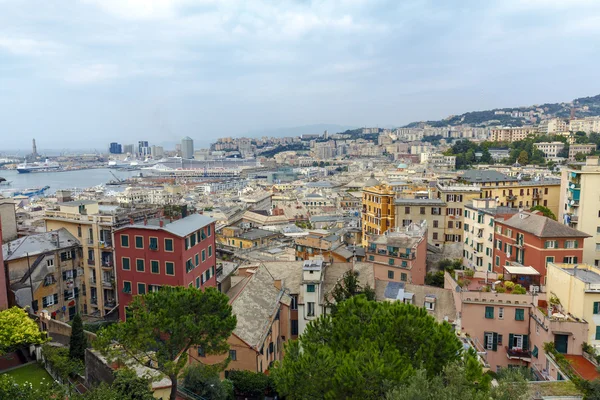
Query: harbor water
x,y
80,179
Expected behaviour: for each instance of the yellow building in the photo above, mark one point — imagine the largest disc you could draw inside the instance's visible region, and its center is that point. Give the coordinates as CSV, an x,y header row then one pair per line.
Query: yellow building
x,y
93,226
577,287
456,196
378,209
239,238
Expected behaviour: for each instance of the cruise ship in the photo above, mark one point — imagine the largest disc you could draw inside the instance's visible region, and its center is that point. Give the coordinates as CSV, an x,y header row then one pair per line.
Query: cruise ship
x,y
46,166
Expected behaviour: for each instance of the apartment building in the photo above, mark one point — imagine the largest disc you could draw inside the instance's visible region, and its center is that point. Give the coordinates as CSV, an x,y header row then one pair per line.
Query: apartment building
x,y
531,239
513,192
438,161
3,283
587,125
580,205
241,238
400,255
550,149
156,253
378,210
478,249
575,149
556,125
511,134
577,288
456,196
45,272
92,224
433,211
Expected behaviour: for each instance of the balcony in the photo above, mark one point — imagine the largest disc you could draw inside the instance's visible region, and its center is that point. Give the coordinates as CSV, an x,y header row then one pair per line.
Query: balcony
x,y
107,264
94,301
536,196
511,197
518,354
90,242
107,284
110,304
105,244
91,261
93,281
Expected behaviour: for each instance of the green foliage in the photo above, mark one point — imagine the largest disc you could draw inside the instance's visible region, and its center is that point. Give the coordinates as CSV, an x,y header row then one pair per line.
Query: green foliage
x,y
364,350
435,279
131,386
281,149
10,389
94,327
518,289
546,212
78,342
17,329
204,381
564,152
60,362
523,158
469,273
251,384
512,385
162,326
580,157
509,285
500,289
346,288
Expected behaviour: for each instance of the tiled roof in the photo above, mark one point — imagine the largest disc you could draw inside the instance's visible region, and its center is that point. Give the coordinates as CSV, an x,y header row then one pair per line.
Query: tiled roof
x,y
541,226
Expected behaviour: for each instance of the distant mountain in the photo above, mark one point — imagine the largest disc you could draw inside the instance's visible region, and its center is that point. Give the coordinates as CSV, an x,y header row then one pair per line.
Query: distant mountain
x,y
299,130
584,107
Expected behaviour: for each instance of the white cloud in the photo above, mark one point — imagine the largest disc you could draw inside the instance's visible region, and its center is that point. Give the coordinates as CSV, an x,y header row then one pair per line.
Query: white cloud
x,y
28,47
89,74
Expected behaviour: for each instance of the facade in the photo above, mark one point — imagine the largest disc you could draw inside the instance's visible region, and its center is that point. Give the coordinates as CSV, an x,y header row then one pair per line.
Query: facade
x,y
580,205
550,149
400,255
187,148
378,210
456,197
240,238
8,219
93,226
438,161
115,148
433,211
148,256
3,283
575,149
556,125
511,134
587,125
45,272
577,287
533,240
478,250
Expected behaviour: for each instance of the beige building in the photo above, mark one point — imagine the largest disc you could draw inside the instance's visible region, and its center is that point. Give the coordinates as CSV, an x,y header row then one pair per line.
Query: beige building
x,y
557,125
456,196
8,219
587,125
418,210
550,149
511,134
92,224
575,149
580,205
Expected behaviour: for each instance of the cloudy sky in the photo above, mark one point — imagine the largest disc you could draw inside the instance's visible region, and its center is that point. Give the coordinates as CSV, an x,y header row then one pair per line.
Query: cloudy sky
x,y
80,74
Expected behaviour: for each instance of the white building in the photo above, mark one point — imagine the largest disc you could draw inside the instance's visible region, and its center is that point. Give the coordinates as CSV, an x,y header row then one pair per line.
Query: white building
x,y
550,149
187,148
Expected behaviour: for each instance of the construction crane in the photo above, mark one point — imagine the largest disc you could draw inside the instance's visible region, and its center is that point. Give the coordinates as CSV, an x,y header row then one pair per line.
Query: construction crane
x,y
116,177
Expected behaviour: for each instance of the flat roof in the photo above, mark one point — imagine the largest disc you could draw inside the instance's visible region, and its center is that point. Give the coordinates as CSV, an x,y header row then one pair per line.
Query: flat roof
x,y
584,275
520,270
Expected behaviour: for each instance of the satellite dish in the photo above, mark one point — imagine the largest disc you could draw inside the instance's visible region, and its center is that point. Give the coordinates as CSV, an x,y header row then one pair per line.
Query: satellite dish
x,y
572,202
572,185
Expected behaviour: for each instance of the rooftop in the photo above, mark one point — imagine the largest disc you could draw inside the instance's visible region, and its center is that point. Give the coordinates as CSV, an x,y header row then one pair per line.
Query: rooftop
x,y
77,203
477,176
182,227
584,275
541,226
420,202
39,244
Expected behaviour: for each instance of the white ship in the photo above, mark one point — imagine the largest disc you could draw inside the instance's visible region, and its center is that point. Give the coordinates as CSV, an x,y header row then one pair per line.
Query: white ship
x,y
46,166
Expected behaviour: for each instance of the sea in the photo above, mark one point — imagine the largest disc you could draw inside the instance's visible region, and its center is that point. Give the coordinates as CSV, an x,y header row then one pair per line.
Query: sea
x,y
80,179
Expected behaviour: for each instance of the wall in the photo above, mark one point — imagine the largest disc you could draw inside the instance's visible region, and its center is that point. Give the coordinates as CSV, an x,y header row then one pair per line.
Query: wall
x,y
3,275
8,220
61,332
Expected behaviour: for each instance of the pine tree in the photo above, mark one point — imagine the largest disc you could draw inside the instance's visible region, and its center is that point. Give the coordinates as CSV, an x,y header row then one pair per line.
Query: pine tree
x,y
78,342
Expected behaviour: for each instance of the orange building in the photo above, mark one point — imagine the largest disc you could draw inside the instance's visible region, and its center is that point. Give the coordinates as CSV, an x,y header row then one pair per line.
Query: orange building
x,y
378,209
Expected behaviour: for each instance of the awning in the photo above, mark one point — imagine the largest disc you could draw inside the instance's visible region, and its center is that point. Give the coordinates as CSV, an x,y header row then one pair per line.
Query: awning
x,y
520,270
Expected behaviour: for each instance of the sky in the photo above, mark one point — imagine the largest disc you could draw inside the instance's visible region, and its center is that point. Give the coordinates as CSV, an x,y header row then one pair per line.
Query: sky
x,y
81,74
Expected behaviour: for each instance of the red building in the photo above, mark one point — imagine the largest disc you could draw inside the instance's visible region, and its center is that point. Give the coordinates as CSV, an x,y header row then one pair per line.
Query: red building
x,y
533,240
158,253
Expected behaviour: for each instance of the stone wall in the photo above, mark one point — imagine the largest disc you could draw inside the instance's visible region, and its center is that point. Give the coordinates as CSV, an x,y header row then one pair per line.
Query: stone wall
x,y
96,369
60,332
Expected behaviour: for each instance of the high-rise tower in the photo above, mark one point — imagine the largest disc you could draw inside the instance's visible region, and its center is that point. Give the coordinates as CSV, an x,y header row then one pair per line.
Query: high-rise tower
x,y
34,150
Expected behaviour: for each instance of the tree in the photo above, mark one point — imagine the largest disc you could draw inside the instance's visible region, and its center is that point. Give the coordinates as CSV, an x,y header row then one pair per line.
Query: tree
x,y
204,381
132,387
512,385
523,158
364,350
250,384
580,157
346,288
10,389
546,212
435,279
17,329
162,326
78,342
564,152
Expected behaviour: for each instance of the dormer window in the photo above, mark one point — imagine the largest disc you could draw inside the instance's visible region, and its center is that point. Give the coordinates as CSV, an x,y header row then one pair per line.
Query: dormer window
x,y
430,303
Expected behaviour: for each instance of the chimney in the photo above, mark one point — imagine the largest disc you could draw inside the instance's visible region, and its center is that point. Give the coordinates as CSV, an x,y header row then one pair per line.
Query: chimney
x,y
161,223
131,220
145,221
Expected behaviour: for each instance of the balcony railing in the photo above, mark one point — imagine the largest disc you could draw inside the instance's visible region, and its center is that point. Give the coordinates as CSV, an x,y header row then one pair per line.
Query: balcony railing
x,y
518,353
107,284
91,261
94,301
110,304
92,281
511,197
107,264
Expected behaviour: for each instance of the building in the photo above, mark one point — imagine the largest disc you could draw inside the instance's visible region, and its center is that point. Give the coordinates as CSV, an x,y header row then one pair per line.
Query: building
x,y
262,309
115,148
45,272
556,125
511,134
587,125
531,239
575,149
456,197
514,192
550,149
478,249
499,154
400,255
8,219
157,152
579,205
187,148
92,224
3,283
378,210
143,148
158,253
433,211
245,238
128,149
577,289
438,161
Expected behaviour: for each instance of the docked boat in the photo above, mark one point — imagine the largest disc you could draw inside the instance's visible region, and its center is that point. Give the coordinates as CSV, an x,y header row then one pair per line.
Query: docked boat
x,y
38,191
46,166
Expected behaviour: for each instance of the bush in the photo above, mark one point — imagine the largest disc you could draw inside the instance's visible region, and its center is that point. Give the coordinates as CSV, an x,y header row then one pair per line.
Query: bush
x,y
204,381
251,384
435,279
469,273
486,289
509,285
519,290
500,289
500,277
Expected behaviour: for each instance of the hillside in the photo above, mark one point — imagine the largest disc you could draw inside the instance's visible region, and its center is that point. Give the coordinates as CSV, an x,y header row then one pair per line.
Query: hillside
x,y
519,116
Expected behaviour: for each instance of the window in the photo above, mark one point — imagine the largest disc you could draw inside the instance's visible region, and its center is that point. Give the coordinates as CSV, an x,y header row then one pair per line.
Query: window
x,y
208,231
126,263
391,261
141,288
197,282
153,243
50,262
509,233
155,267
598,332
197,259
294,303
48,301
126,287
371,258
139,265
403,277
124,240
310,288
489,312
310,306
520,314
210,251
500,312
549,260
596,307
203,255
168,244
233,355
187,243
294,327
139,242
535,351
435,236
518,342
390,274
498,261
570,260
572,244
551,244
435,224
406,210
499,245
491,341
422,211
78,231
450,224
169,268
429,305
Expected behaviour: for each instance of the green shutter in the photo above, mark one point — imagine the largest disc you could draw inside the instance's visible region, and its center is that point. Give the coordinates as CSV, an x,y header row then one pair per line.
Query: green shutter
x,y
495,341
525,342
576,244
489,312
546,244
597,307
556,244
510,340
535,351
598,332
